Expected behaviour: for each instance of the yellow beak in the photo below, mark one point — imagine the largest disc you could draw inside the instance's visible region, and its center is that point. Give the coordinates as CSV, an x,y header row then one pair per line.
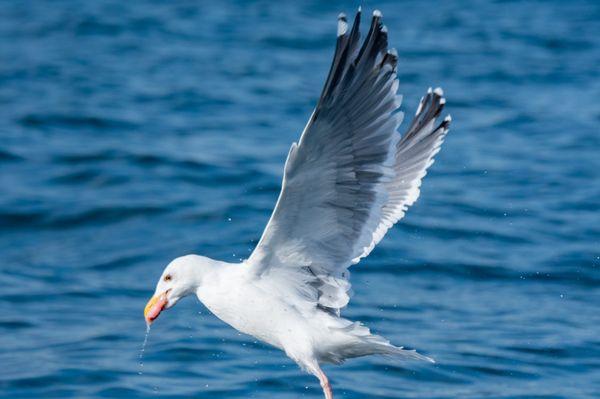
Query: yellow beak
x,y
154,306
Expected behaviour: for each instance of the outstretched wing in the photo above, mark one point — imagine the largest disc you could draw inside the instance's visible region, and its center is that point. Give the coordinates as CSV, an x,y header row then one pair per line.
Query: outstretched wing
x,y
351,176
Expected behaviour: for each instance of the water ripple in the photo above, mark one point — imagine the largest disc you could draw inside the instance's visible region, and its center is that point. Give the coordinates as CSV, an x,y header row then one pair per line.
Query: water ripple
x,y
135,132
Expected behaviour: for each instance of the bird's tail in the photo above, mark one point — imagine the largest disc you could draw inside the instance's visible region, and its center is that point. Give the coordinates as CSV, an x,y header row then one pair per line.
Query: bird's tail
x,y
390,349
360,342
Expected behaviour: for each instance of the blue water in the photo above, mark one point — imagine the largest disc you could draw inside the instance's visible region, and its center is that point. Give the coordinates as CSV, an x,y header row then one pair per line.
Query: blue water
x,y
135,132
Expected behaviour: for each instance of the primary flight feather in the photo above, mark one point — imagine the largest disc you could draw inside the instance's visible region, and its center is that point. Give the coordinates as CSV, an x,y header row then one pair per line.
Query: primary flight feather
x,y
348,180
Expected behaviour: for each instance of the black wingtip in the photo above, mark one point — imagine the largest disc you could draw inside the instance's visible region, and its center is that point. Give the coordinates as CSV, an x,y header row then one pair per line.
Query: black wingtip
x,y
430,107
376,40
356,23
351,58
445,123
390,58
376,20
432,104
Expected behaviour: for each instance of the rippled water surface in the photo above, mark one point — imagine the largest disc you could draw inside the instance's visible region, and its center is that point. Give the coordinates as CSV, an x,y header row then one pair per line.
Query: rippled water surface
x,y
134,132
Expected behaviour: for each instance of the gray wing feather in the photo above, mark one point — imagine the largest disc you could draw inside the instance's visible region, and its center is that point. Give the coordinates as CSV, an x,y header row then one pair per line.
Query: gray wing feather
x,y
351,176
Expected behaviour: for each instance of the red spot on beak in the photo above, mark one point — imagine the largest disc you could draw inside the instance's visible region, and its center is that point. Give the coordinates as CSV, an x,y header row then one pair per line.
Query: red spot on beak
x,y
155,305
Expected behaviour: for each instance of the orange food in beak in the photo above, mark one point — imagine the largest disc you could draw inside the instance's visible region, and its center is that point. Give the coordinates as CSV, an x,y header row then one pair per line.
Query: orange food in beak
x,y
154,306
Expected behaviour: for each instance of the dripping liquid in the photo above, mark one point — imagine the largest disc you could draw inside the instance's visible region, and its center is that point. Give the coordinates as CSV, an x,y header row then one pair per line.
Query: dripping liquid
x,y
141,357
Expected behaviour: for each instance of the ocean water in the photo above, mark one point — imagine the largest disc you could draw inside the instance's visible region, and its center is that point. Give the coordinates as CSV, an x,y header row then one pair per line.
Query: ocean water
x,y
135,132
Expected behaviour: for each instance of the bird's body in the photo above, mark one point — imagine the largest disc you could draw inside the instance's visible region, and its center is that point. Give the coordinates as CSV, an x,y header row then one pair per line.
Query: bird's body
x,y
348,180
232,295
307,334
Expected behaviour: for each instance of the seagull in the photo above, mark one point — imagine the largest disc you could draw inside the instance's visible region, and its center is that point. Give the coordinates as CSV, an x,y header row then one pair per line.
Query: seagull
x,y
346,182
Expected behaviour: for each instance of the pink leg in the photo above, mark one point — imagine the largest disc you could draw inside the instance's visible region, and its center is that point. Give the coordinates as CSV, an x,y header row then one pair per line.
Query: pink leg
x,y
324,384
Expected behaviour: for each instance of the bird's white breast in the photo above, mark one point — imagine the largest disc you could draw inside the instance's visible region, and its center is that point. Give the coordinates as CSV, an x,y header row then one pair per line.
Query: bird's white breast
x,y
251,310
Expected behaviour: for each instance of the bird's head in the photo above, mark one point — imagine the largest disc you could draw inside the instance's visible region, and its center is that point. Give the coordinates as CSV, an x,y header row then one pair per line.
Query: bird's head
x,y
180,278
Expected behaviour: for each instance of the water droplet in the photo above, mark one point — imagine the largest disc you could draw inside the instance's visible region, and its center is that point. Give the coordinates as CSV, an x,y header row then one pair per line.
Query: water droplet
x,y
141,357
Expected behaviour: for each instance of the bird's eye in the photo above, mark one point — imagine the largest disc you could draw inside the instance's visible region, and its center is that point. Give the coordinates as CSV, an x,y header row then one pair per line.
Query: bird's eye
x,y
168,277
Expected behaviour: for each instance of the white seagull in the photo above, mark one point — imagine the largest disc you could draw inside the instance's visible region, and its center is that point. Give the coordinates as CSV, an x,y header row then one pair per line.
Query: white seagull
x,y
348,180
